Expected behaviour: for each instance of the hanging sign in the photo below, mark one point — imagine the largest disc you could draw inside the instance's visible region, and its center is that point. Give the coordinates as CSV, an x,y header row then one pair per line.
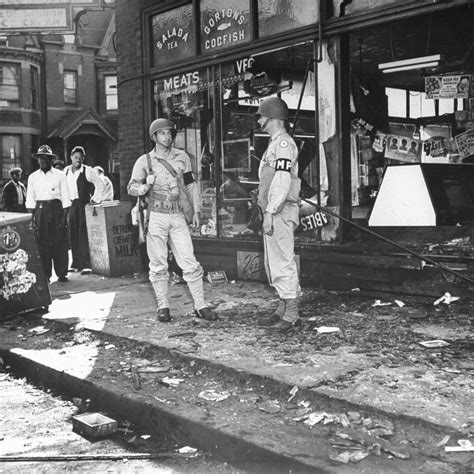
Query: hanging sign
x,y
402,148
314,221
435,147
223,27
447,87
465,143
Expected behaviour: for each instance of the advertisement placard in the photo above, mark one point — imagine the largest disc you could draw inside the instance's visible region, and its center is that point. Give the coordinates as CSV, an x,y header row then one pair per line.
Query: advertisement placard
x,y
447,87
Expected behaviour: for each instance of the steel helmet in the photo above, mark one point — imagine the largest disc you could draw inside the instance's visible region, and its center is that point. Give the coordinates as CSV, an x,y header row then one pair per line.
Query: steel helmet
x,y
161,124
273,108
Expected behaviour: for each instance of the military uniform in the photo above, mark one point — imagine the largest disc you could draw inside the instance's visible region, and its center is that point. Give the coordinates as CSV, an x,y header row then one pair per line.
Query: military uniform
x,y
167,223
279,190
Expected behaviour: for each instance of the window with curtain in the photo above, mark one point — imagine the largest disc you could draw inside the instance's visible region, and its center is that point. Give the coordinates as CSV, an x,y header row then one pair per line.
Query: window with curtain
x,y
70,87
9,85
111,93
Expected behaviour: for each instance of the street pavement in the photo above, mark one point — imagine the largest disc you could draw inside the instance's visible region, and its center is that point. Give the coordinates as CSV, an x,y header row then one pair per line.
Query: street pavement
x,y
354,378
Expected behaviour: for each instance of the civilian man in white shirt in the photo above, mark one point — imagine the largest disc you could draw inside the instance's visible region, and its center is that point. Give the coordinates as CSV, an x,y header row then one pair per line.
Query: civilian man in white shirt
x,y
82,182
47,198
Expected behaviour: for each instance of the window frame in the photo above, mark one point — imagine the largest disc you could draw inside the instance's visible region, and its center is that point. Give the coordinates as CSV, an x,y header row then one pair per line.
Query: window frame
x,y
112,94
74,75
11,103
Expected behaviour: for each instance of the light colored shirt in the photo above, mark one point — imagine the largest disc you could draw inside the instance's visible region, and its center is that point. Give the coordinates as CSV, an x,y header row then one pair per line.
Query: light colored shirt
x,y
91,176
108,193
46,186
165,183
20,190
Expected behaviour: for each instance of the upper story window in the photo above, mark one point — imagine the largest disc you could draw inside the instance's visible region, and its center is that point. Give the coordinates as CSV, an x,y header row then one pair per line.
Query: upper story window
x,y
70,87
9,85
34,87
111,93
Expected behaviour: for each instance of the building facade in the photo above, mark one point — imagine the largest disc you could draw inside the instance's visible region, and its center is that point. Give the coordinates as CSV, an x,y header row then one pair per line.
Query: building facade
x,y
60,90
355,75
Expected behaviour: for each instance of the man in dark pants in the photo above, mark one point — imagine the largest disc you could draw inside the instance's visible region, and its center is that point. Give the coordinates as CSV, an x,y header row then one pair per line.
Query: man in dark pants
x,y
47,198
14,193
82,180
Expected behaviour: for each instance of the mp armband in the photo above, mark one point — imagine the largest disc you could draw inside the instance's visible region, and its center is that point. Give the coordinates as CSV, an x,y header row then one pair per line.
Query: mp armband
x,y
283,164
188,178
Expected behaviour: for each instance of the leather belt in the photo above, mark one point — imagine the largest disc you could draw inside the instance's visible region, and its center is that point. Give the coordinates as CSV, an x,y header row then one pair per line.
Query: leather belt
x,y
165,197
165,207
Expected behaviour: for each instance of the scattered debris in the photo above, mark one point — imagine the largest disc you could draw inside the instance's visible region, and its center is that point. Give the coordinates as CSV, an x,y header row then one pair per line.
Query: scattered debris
x,y
350,456
227,305
171,382
182,333
145,436
434,343
355,289
218,276
38,330
446,299
400,303
443,441
293,392
109,347
379,303
327,329
271,406
187,450
213,396
136,381
465,445
314,419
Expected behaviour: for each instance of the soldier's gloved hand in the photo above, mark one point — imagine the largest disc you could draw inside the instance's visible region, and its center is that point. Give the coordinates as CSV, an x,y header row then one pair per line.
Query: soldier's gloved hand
x,y
150,179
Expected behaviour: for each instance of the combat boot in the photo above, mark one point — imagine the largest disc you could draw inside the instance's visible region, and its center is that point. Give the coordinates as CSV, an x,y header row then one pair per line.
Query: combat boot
x,y
160,288
275,316
290,319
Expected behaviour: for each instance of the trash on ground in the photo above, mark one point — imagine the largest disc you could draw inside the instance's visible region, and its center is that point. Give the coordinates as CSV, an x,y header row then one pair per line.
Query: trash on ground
x,y
293,392
399,303
93,425
227,305
434,343
465,445
145,436
271,406
182,333
379,303
171,382
213,396
355,289
314,419
350,456
137,383
446,299
187,450
153,369
218,276
39,330
327,329
443,441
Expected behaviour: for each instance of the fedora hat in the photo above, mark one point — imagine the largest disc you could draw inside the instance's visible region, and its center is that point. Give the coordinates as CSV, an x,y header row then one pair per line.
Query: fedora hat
x,y
44,150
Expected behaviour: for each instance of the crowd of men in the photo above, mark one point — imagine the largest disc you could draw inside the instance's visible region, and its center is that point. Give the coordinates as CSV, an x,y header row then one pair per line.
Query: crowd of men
x,y
56,195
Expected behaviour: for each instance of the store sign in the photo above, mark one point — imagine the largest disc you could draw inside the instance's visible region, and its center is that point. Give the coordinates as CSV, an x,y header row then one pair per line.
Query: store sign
x,y
465,143
24,19
250,265
223,28
314,221
173,35
447,87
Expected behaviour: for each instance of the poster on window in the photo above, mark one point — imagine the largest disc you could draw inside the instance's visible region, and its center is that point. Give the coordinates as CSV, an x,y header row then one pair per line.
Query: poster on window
x,y
447,87
465,143
403,148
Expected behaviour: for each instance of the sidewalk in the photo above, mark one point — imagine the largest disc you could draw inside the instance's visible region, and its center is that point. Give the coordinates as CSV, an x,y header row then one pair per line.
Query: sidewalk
x,y
373,365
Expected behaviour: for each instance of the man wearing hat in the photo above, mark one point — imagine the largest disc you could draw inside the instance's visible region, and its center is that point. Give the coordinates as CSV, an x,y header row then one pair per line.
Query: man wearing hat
x,y
108,193
278,196
82,182
14,193
47,198
167,223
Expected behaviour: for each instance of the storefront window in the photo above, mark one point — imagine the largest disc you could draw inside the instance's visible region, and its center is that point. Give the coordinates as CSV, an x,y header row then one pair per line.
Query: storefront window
x,y
187,100
173,36
276,16
225,25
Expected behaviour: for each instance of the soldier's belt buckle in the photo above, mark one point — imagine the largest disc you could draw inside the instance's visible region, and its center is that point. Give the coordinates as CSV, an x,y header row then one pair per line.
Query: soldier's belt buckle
x,y
167,205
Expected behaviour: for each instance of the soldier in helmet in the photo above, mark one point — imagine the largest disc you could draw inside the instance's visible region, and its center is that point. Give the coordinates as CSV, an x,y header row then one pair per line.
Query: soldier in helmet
x,y
167,224
278,196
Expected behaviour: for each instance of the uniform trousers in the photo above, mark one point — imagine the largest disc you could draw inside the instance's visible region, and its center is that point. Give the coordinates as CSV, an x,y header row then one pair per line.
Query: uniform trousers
x,y
280,263
171,228
78,235
52,239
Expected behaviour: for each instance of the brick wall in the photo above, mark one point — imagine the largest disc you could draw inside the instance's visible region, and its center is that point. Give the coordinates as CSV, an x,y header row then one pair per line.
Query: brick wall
x,y
132,130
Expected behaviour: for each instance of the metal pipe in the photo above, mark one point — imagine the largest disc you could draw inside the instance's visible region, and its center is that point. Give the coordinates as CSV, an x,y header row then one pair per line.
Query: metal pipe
x,y
386,239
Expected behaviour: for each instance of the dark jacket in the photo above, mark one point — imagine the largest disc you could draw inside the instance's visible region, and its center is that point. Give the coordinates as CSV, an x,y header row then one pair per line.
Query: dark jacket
x,y
10,197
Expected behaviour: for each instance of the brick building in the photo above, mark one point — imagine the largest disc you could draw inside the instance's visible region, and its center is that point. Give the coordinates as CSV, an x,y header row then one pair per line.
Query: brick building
x,y
60,90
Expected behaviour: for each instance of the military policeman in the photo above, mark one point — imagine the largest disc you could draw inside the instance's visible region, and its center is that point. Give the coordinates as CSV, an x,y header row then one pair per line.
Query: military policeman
x,y
167,224
278,196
